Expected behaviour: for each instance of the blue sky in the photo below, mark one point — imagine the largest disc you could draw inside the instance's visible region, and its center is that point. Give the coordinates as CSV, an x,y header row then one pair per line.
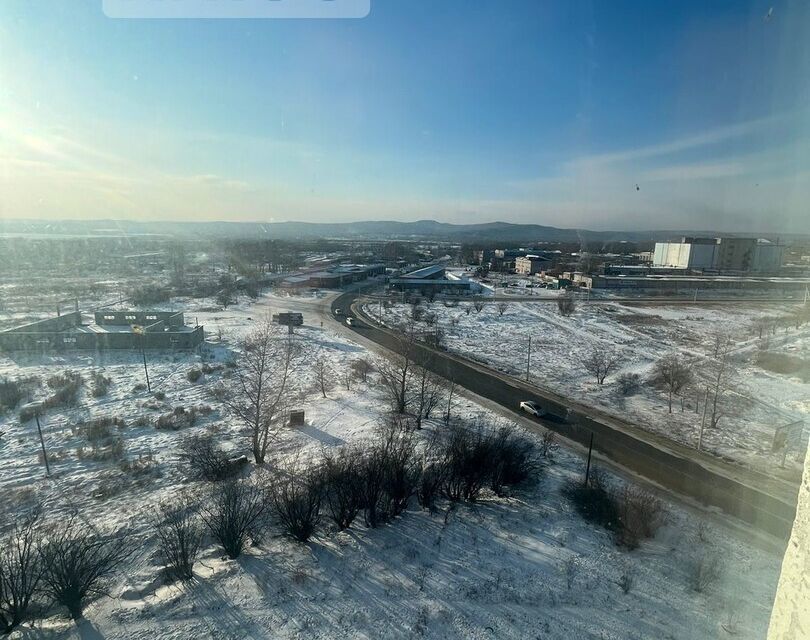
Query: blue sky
x,y
458,110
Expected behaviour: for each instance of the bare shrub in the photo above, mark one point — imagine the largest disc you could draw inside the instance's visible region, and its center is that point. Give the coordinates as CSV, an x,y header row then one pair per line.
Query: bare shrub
x,y
233,512
629,384
297,500
193,374
362,369
79,564
639,513
593,501
431,480
397,449
566,304
205,460
478,305
502,307
627,580
179,532
21,570
548,444
99,384
12,392
512,459
178,418
703,570
66,388
467,452
343,490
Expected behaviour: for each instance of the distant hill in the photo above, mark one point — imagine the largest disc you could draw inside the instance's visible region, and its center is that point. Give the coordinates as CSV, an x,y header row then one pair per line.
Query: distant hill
x,y
371,230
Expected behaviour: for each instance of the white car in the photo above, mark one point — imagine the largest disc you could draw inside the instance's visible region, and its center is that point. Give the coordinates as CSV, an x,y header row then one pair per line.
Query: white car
x,y
532,408
349,321
338,312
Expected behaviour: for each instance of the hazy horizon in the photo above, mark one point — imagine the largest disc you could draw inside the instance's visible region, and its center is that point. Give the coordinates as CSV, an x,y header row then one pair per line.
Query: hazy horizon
x,y
573,115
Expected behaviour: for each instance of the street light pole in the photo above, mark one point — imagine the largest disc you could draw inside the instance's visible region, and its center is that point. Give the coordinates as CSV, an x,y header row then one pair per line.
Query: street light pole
x,y
588,466
528,358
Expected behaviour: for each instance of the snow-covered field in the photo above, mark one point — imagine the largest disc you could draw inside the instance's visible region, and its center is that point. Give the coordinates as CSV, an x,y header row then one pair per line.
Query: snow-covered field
x,y
640,335
516,567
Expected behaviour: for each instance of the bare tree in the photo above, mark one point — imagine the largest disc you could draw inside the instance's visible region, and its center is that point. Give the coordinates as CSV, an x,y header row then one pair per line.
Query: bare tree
x,y
179,532
428,394
672,374
566,304
225,297
450,387
21,570
720,374
760,326
233,512
600,363
478,305
722,343
397,372
79,563
261,384
323,374
502,307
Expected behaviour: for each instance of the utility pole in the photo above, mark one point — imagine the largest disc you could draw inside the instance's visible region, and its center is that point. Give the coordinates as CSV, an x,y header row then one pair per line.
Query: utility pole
x,y
588,466
140,331
528,358
36,408
703,420
42,443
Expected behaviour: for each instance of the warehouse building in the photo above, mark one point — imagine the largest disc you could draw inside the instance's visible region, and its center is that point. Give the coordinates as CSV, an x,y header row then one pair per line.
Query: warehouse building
x,y
744,255
109,330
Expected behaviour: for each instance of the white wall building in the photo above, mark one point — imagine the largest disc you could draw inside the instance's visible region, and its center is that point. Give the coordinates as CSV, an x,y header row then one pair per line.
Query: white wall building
x,y
720,254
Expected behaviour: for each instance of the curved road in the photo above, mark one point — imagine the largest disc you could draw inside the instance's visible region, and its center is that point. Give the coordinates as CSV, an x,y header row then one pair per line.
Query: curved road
x,y
767,503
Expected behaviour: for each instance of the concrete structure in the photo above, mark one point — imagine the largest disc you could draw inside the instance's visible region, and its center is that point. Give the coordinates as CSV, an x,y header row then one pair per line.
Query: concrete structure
x,y
111,330
531,264
720,254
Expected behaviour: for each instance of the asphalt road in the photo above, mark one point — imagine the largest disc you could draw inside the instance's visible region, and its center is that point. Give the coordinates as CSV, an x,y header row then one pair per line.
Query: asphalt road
x,y
766,502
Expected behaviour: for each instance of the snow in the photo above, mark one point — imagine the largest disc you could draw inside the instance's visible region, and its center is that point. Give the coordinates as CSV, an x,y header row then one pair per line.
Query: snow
x,y
640,335
521,566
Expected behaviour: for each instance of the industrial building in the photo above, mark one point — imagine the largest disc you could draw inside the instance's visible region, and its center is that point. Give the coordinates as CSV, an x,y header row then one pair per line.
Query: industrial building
x,y
432,280
531,264
109,330
744,255
691,283
333,278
